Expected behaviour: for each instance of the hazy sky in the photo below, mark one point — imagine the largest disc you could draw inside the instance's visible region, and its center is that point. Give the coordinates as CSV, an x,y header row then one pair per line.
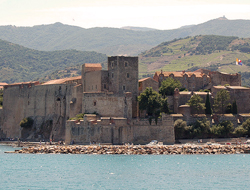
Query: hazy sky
x,y
160,14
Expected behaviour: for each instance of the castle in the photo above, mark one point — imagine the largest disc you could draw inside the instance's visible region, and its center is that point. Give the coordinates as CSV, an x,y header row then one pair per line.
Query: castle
x,y
109,100
108,97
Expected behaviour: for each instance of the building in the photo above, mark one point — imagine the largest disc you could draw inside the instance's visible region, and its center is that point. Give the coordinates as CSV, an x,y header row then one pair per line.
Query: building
x,y
200,79
107,97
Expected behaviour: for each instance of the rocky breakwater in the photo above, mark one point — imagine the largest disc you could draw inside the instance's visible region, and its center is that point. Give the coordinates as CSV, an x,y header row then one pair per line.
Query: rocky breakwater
x,y
135,149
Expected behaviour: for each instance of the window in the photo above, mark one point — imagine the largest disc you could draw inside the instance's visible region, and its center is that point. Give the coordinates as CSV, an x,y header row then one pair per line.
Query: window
x,y
94,103
125,63
123,87
127,75
112,75
112,64
104,86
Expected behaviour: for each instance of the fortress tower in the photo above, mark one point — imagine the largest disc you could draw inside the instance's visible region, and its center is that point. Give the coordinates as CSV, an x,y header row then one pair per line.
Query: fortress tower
x,y
123,77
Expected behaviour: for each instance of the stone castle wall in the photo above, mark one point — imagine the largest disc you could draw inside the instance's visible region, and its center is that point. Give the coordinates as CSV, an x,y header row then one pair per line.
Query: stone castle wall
x,y
108,104
42,103
218,78
118,131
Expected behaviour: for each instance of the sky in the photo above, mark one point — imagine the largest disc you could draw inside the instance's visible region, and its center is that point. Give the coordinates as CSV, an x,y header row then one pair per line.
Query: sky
x,y
159,14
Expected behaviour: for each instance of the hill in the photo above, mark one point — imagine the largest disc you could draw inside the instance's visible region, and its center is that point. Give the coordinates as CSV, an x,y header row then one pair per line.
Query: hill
x,y
20,64
114,41
190,53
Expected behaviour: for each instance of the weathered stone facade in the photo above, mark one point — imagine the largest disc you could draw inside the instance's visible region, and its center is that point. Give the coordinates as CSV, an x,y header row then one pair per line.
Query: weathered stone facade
x,y
148,82
238,93
200,79
120,130
40,102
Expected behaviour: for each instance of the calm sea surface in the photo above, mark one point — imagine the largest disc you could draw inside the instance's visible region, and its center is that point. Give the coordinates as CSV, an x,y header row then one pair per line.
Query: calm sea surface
x,y
46,171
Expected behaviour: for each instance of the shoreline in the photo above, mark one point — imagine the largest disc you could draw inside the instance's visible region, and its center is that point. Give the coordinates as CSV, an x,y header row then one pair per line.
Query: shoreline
x,y
135,149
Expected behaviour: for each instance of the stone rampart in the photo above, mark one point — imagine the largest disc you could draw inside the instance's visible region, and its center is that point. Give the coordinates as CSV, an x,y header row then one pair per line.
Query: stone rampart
x,y
118,131
42,103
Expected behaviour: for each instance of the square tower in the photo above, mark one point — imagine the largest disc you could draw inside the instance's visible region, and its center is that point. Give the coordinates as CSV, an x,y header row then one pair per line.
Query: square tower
x,y
123,77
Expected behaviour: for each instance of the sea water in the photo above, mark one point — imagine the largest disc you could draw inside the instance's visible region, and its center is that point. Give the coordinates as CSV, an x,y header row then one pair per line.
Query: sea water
x,y
70,171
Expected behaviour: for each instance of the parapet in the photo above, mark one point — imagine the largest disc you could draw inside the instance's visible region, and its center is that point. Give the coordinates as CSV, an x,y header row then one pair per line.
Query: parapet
x,y
22,84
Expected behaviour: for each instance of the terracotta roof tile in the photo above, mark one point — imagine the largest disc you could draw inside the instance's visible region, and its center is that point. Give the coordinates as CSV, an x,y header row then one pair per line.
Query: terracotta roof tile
x,y
62,81
219,87
2,84
149,78
93,65
31,82
180,73
238,87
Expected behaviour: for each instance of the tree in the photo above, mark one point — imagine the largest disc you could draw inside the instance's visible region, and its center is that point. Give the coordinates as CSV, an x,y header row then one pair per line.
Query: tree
x,y
208,109
179,128
164,105
168,86
26,122
195,102
201,128
246,126
234,107
229,108
220,101
150,101
223,129
240,131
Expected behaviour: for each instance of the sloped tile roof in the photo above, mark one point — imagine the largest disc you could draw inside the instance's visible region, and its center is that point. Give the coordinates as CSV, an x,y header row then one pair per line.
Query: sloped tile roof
x,y
62,81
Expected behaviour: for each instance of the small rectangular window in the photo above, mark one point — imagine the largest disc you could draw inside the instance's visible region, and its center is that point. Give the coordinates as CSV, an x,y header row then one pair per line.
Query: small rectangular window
x,y
123,87
127,75
112,75
125,64
104,86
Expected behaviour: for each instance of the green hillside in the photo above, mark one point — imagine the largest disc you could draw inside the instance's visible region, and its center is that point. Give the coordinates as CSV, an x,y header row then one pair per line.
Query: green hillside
x,y
20,64
114,41
191,53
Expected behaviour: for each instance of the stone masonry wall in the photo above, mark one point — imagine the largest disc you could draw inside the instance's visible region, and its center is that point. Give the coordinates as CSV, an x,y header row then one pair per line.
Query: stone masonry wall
x,y
108,104
140,132
42,103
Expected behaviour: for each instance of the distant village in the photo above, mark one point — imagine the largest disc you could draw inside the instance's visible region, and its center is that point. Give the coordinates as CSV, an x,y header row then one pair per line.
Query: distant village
x,y
103,106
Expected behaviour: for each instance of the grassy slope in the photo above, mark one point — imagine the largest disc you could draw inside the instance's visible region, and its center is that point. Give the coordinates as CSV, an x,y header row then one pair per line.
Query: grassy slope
x,y
182,54
20,64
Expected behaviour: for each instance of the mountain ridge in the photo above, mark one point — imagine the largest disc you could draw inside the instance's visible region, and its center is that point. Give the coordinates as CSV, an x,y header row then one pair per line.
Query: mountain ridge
x,y
20,64
114,41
